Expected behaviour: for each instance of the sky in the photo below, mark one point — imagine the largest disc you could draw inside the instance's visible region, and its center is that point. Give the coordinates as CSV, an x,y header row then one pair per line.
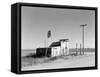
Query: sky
x,y
63,23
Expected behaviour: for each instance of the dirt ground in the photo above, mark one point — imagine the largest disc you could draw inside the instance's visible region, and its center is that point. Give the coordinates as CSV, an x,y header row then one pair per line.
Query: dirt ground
x,y
70,61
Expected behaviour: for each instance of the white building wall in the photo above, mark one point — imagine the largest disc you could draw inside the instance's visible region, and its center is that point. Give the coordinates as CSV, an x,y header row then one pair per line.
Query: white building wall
x,y
64,48
60,50
55,51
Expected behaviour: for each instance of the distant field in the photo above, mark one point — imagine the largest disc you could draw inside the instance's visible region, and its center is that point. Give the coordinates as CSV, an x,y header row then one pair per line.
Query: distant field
x,y
86,50
27,52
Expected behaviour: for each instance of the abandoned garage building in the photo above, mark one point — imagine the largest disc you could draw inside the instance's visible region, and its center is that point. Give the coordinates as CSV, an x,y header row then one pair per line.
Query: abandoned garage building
x,y
58,48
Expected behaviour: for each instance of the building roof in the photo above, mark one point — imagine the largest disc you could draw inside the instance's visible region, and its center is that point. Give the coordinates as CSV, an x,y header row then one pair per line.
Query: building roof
x,y
64,39
54,44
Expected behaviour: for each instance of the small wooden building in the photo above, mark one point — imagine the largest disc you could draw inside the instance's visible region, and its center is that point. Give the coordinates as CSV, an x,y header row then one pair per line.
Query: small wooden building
x,y
58,48
42,52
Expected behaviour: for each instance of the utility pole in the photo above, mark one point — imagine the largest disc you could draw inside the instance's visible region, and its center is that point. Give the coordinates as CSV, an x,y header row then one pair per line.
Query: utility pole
x,y
83,36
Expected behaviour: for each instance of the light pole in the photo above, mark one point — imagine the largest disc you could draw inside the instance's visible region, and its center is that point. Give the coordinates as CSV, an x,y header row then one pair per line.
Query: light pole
x,y
83,36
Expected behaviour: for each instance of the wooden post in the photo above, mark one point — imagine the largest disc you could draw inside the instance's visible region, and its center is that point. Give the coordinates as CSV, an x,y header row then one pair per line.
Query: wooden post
x,y
83,40
83,36
80,49
76,49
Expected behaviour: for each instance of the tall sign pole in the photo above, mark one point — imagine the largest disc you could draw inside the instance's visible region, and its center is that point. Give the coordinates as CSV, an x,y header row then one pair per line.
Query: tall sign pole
x,y
83,36
48,36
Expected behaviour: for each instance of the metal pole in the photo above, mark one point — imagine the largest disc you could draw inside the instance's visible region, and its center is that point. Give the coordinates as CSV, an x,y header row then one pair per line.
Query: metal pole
x,y
76,48
80,49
